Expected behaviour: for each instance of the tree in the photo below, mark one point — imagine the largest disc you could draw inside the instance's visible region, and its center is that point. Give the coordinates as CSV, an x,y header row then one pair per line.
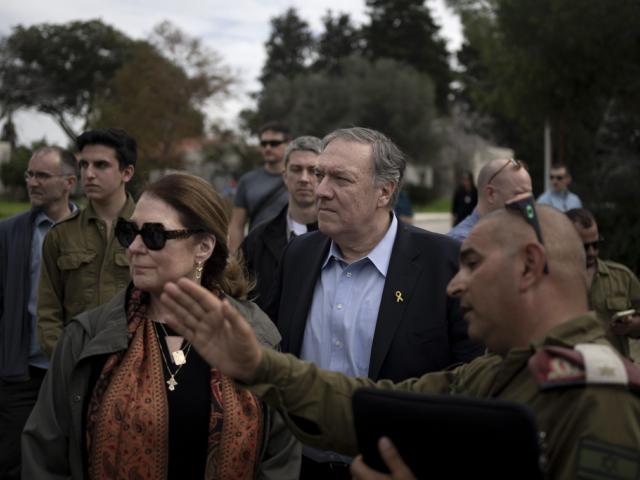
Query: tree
x,y
289,47
576,65
208,75
12,172
404,30
340,39
385,95
150,98
59,69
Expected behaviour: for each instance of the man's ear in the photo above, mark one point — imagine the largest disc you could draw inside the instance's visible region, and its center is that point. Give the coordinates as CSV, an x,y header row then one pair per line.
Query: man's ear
x,y
205,247
386,192
535,258
490,193
127,173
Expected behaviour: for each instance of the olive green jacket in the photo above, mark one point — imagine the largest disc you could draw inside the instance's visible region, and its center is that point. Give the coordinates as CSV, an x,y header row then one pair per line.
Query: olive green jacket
x,y
614,288
81,268
52,440
608,416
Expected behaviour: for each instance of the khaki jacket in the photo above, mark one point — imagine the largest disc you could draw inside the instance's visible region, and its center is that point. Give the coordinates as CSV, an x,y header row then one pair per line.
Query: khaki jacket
x,y
614,288
81,268
53,437
602,415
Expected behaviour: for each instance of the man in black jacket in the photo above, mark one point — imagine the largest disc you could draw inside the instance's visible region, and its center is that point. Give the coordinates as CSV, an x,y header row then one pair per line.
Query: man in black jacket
x,y
264,245
366,294
50,178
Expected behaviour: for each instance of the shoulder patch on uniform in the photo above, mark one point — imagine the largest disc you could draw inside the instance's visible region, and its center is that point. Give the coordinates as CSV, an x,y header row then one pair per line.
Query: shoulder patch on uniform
x,y
601,460
587,364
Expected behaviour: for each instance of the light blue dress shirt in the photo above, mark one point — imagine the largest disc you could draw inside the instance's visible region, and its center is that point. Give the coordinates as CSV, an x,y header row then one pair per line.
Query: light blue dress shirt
x,y
41,225
462,230
342,320
563,201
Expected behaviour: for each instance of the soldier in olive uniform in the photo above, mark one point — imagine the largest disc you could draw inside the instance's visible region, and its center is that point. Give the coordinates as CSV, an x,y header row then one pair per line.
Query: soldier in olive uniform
x,y
613,287
83,265
522,286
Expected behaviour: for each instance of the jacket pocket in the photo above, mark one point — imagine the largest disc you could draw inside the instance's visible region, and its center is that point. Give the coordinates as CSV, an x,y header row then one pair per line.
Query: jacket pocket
x,y
73,261
617,303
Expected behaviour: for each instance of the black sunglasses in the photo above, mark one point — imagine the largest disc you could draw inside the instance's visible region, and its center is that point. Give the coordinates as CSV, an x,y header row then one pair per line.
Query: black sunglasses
x,y
526,208
153,235
271,143
556,177
595,245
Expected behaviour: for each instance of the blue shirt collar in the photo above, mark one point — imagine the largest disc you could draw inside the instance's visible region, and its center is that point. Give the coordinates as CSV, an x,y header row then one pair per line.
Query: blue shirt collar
x,y
41,216
379,256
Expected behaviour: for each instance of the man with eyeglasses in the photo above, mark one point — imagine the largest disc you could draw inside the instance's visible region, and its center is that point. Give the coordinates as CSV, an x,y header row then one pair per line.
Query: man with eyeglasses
x,y
50,179
559,196
261,193
523,291
613,288
83,265
498,181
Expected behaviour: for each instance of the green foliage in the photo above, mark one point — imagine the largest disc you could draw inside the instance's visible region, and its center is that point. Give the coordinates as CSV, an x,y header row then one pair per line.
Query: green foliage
x,y
150,98
58,69
575,65
384,95
340,39
288,48
404,30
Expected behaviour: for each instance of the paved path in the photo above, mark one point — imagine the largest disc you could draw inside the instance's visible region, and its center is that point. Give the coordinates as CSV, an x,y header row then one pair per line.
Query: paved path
x,y
434,222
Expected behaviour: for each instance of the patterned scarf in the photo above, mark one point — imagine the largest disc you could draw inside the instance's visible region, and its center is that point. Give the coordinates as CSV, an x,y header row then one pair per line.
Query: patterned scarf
x,y
128,414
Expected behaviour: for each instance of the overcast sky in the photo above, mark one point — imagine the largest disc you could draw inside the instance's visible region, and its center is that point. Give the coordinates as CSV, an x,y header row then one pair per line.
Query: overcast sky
x,y
237,29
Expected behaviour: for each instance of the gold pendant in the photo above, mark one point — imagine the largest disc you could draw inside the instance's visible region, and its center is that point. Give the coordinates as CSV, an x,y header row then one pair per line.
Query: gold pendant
x,y
178,357
172,383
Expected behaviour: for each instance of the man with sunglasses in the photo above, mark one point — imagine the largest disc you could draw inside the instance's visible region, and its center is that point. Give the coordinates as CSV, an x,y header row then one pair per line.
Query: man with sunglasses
x,y
261,193
50,179
613,287
498,181
83,265
558,195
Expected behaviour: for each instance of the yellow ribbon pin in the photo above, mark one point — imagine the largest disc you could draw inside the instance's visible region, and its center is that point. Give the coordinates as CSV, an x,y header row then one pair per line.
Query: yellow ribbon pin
x,y
399,296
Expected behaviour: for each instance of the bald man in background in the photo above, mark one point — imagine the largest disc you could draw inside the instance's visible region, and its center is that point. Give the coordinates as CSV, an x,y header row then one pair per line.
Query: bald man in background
x,y
499,181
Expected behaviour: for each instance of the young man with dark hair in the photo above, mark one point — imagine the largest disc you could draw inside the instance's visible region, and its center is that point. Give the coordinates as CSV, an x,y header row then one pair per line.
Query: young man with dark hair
x,y
50,178
83,265
261,193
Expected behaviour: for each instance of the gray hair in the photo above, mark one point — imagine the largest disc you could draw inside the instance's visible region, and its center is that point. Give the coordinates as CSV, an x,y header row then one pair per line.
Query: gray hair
x,y
388,160
68,162
305,143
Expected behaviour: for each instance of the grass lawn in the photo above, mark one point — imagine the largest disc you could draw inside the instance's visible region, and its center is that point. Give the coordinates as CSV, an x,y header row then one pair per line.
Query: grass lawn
x,y
440,205
11,208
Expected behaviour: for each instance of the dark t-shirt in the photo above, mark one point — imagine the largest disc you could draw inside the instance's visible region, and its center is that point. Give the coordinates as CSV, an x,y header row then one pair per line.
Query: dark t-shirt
x,y
256,186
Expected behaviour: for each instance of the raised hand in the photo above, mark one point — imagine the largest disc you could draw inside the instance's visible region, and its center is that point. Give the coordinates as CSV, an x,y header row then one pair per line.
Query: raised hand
x,y
215,329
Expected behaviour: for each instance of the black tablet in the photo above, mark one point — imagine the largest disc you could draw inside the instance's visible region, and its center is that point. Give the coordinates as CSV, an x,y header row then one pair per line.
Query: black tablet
x,y
444,436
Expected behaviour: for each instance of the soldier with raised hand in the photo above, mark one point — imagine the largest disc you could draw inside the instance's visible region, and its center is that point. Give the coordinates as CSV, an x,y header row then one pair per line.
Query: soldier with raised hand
x,y
522,286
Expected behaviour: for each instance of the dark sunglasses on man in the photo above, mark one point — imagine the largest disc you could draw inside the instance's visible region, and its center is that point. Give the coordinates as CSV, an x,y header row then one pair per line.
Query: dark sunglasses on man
x,y
153,235
271,143
526,208
516,164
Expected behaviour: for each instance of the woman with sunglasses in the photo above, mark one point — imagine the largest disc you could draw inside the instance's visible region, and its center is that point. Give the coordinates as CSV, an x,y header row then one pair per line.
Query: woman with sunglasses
x,y
126,397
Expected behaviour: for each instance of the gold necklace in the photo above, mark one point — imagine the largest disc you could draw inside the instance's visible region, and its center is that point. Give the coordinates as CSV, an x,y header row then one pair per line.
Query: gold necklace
x,y
179,358
172,375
